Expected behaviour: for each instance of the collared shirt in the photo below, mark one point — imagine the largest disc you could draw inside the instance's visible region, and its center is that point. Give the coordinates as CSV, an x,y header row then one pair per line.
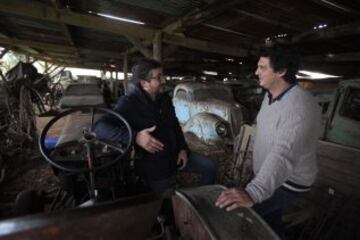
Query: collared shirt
x,y
281,95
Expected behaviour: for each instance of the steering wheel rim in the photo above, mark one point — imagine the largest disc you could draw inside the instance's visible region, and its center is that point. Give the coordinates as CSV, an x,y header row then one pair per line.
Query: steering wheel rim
x,y
45,151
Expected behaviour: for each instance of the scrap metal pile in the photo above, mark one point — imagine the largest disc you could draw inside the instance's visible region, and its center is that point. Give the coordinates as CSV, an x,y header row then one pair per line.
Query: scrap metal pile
x,y
21,93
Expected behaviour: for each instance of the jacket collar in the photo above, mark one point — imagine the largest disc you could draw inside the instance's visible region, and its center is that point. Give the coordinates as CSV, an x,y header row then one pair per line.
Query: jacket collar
x,y
137,90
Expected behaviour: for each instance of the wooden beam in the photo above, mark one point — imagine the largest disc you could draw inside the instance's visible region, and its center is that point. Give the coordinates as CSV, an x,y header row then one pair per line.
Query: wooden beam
x,y
231,31
337,7
340,57
64,51
140,46
41,11
195,17
328,33
57,61
267,20
52,59
13,42
169,50
199,45
49,59
204,46
219,66
125,70
199,15
157,46
101,53
33,44
144,43
62,55
70,39
66,30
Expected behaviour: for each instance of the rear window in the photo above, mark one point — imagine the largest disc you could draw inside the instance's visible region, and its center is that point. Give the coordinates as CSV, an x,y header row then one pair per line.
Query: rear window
x,y
351,105
82,90
181,94
215,93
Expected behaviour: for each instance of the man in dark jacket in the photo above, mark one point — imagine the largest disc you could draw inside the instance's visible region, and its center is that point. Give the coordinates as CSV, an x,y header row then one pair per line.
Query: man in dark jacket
x,y
159,142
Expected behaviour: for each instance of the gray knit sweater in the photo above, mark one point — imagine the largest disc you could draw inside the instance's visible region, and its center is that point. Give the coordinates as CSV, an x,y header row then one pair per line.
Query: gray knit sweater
x,y
285,143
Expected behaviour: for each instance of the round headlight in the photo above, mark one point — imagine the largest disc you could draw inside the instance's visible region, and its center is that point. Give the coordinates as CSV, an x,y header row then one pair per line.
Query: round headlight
x,y
221,129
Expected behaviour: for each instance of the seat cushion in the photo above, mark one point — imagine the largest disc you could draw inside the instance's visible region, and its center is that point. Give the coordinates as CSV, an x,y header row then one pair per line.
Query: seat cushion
x,y
82,95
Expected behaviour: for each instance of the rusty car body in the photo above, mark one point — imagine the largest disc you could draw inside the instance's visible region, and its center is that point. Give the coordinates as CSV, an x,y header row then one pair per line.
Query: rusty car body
x,y
196,217
209,111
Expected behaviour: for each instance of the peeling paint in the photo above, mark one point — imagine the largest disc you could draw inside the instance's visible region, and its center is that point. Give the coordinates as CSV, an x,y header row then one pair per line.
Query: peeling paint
x,y
202,107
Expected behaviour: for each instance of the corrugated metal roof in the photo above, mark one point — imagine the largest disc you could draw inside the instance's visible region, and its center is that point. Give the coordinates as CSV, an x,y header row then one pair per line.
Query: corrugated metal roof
x,y
171,7
210,29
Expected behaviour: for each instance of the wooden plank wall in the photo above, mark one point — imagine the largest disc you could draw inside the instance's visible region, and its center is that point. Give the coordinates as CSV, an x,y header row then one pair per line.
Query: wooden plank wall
x,y
339,168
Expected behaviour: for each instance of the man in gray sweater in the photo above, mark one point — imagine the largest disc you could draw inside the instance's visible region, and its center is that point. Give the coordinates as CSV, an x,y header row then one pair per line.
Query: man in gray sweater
x,y
288,126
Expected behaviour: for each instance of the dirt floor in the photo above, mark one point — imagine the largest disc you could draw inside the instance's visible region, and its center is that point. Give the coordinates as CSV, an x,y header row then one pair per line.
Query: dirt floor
x,y
25,171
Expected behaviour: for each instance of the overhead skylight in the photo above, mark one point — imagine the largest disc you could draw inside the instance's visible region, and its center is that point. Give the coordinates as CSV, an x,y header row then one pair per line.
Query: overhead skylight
x,y
210,73
84,71
94,72
118,18
320,26
303,74
282,35
278,36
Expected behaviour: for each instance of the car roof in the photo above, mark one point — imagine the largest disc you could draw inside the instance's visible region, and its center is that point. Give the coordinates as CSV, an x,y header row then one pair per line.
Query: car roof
x,y
192,86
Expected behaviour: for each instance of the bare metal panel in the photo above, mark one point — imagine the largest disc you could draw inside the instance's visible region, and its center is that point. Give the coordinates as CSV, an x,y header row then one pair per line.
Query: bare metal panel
x,y
197,217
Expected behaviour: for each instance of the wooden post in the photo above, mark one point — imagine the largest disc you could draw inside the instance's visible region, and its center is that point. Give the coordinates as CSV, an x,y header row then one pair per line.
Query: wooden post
x,y
46,67
114,85
157,46
103,75
125,70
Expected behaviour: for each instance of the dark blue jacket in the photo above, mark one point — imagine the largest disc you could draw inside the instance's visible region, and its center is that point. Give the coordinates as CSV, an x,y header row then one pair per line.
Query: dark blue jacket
x,y
142,112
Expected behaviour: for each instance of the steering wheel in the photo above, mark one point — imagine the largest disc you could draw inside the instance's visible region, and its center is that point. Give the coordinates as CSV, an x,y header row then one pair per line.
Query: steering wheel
x,y
89,140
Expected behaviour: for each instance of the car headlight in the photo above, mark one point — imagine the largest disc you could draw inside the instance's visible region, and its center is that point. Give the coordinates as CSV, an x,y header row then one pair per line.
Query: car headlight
x,y
221,129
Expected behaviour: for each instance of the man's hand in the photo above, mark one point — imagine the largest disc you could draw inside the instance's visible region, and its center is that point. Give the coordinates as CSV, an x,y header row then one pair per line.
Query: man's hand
x,y
148,142
233,198
182,159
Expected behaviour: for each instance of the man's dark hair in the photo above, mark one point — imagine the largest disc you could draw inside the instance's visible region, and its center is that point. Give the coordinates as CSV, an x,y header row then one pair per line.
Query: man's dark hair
x,y
142,68
282,57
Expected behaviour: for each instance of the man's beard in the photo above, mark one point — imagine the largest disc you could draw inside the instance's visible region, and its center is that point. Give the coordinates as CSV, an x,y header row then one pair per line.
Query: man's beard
x,y
162,89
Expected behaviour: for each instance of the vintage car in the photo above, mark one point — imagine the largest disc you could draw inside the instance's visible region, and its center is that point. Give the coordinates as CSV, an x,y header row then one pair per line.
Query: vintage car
x,y
209,111
343,115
